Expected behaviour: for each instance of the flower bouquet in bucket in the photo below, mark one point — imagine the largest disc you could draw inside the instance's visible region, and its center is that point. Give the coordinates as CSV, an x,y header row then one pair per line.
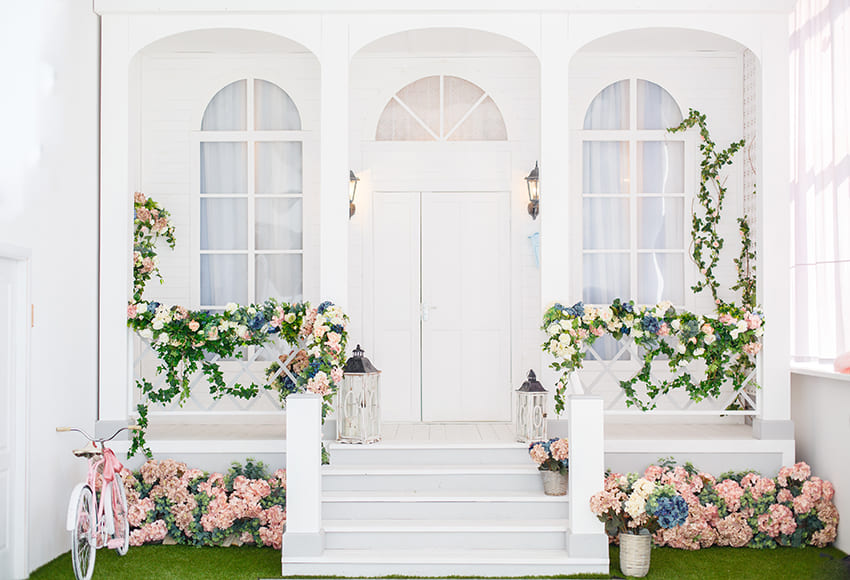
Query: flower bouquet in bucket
x,y
632,509
553,461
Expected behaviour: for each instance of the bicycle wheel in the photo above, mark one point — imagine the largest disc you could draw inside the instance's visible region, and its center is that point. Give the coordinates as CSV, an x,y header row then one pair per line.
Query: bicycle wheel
x,y
82,536
121,535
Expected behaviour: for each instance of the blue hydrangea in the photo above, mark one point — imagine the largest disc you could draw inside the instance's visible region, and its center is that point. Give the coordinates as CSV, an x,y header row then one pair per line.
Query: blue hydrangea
x,y
576,310
257,322
651,324
152,306
670,511
324,306
337,328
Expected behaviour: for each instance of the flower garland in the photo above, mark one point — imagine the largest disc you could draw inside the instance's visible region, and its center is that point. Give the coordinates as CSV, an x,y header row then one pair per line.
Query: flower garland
x,y
150,223
736,509
167,501
707,242
726,343
184,339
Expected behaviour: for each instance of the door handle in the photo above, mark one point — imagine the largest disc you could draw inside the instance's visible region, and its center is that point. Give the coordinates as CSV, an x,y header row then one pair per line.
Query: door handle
x,y
425,311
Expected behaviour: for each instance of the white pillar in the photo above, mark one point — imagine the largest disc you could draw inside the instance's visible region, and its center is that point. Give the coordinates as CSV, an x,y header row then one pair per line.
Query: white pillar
x,y
116,220
587,472
333,202
304,535
554,217
773,268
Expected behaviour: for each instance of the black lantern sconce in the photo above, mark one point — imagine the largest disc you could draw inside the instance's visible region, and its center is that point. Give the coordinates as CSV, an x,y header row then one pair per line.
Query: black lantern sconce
x,y
352,190
533,183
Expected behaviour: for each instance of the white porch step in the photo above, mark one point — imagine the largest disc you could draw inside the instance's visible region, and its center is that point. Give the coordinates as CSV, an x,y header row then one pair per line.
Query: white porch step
x,y
472,505
445,534
391,453
424,563
431,478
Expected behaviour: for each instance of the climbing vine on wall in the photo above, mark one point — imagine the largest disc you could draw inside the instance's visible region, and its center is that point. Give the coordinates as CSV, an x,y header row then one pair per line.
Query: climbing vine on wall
x,y
187,341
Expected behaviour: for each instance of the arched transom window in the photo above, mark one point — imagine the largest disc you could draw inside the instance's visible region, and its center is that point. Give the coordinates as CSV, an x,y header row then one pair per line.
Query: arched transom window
x,y
441,108
250,206
633,196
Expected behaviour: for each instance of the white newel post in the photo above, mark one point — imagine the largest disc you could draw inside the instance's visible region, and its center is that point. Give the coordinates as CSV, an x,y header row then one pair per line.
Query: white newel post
x,y
303,535
587,472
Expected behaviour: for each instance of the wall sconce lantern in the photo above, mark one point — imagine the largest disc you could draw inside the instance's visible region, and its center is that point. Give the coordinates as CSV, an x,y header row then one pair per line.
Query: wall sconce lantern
x,y
533,183
359,413
352,189
531,411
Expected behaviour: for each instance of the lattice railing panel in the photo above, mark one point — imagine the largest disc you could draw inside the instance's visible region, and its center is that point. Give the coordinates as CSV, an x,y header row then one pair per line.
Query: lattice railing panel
x,y
249,369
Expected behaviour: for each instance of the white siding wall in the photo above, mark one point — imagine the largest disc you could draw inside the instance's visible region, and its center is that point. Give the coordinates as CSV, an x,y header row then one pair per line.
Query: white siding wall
x,y
512,80
53,210
174,90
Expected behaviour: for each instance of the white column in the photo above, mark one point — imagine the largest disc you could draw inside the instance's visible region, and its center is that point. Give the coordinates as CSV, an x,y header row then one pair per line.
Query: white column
x,y
115,220
587,472
304,535
773,269
333,202
554,153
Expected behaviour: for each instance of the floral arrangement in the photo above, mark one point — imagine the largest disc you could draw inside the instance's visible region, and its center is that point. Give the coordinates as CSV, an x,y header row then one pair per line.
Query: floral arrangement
x,y
150,223
168,502
726,343
184,339
735,509
552,455
629,504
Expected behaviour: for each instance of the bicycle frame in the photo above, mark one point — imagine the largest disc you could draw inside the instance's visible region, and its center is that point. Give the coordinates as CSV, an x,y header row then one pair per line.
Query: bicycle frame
x,y
98,481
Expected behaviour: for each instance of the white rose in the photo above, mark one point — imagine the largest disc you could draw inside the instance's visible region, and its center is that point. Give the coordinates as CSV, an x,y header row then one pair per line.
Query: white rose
x,y
569,351
759,331
683,363
676,325
157,324
742,326
681,348
565,339
566,324
553,329
146,333
735,333
710,338
231,307
606,314
637,334
252,311
699,352
289,318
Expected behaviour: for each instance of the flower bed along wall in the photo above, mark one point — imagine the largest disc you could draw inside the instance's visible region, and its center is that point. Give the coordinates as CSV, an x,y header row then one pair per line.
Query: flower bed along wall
x,y
168,502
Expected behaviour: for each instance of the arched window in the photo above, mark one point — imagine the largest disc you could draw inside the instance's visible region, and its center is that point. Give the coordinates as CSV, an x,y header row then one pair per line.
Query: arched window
x,y
441,108
633,196
250,196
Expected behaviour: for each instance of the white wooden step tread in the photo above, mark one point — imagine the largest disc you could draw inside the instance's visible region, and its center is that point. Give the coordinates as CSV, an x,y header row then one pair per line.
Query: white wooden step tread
x,y
426,445
478,526
435,496
333,470
431,556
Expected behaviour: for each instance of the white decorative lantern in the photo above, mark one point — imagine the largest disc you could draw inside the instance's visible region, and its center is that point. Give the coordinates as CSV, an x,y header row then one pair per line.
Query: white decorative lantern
x,y
359,413
531,411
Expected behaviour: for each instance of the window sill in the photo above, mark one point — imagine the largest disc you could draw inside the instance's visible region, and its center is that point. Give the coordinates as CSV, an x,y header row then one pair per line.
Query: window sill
x,y
818,370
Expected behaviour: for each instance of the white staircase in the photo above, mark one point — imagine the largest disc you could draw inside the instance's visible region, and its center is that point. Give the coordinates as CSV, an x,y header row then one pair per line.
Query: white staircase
x,y
437,509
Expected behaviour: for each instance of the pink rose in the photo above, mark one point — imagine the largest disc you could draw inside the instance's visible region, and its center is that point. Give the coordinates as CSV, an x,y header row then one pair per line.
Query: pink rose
x,y
194,325
143,215
663,330
131,311
752,348
139,197
707,329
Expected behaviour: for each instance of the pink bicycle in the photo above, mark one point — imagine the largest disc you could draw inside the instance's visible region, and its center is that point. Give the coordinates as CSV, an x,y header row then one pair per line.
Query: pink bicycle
x,y
97,512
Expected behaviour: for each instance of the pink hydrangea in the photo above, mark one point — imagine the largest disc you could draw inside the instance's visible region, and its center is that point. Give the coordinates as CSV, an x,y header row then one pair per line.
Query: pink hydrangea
x,y
784,496
137,512
538,453
733,530
560,450
653,472
778,520
730,492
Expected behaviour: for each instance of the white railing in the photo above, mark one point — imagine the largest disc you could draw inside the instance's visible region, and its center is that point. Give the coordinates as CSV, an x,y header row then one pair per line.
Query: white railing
x,y
249,369
601,376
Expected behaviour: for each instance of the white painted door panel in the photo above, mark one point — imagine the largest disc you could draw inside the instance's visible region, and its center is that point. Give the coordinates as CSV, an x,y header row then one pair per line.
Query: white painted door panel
x,y
7,410
396,307
465,293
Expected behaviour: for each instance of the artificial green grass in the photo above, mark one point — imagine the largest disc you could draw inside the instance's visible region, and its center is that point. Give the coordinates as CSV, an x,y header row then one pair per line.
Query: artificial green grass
x,y
249,563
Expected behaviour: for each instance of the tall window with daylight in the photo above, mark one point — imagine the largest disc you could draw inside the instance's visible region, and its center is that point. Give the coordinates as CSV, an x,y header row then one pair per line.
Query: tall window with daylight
x,y
250,196
633,196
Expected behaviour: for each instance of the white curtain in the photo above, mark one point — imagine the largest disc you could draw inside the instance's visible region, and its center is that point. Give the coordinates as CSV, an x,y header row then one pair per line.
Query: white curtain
x,y
609,197
227,252
820,187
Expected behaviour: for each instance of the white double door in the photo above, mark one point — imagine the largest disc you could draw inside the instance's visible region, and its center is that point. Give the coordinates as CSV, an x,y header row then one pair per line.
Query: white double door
x,y
441,309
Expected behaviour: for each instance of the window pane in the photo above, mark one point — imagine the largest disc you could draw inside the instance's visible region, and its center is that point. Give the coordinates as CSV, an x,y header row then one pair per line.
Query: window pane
x,y
458,97
610,108
224,278
656,108
606,276
605,224
423,98
279,276
274,109
605,167
278,224
660,223
278,167
661,166
227,110
224,224
660,277
485,123
396,124
224,167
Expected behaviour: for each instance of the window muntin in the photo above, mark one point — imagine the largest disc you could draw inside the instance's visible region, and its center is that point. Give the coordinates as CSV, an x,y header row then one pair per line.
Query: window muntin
x,y
251,196
441,108
633,196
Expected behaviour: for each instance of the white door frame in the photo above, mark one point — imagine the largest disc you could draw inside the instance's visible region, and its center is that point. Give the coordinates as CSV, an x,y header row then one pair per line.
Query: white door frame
x,y
20,474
